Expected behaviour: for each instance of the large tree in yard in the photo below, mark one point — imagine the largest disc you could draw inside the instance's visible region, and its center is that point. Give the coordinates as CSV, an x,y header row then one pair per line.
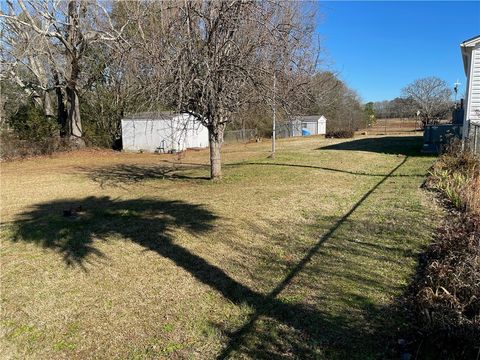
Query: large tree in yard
x,y
431,96
45,41
211,59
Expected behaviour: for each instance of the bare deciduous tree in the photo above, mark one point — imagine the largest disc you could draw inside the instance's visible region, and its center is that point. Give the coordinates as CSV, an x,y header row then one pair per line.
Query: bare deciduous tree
x,y
212,58
331,97
48,38
25,63
432,97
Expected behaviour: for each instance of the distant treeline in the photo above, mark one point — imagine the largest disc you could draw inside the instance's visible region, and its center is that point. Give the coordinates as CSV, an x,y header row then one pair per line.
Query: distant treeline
x,y
396,108
326,95
428,98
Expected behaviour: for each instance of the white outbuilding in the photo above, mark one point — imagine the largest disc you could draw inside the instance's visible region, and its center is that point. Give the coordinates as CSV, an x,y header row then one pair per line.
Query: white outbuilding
x,y
471,62
303,126
162,132
315,125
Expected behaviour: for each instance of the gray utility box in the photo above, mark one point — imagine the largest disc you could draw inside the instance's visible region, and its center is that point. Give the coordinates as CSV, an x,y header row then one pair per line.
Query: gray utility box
x,y
436,137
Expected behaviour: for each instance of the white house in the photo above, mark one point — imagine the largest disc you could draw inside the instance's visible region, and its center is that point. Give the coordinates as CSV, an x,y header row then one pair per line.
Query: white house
x,y
471,62
162,132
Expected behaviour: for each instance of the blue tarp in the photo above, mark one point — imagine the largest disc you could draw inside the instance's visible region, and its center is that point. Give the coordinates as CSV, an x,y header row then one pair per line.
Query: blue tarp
x,y
306,132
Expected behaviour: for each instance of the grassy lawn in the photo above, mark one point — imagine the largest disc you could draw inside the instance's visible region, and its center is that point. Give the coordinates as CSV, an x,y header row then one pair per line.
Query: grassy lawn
x,y
297,257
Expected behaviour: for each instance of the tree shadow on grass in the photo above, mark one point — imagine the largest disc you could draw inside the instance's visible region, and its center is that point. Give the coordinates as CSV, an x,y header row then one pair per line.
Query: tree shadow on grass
x,y
148,222
275,329
328,169
405,145
127,174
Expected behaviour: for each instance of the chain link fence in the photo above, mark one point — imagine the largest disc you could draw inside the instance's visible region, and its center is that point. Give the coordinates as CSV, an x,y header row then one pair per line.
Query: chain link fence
x,y
240,136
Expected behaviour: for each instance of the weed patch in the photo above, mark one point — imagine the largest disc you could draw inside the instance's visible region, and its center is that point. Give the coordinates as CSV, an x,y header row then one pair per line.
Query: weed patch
x,y
445,296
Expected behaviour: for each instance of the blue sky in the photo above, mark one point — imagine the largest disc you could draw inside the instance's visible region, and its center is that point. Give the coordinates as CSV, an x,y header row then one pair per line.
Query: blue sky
x,y
379,47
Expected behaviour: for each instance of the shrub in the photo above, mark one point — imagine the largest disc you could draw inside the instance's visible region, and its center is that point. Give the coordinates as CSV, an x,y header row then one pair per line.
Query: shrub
x,y
457,176
30,124
13,147
30,133
446,292
471,195
447,296
102,113
340,134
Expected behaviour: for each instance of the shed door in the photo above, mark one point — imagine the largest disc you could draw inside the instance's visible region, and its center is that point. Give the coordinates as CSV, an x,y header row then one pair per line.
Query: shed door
x,y
322,127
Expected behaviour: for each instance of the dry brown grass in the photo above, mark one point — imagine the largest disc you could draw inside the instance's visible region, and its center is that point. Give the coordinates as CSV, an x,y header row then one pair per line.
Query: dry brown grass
x,y
394,126
457,175
472,195
446,293
296,257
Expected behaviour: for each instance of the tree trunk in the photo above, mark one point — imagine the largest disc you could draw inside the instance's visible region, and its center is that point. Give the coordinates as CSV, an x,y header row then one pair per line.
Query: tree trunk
x,y
47,105
74,120
62,114
74,53
215,137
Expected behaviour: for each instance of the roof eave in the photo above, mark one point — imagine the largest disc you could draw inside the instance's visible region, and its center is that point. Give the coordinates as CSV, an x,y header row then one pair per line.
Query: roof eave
x,y
471,42
466,49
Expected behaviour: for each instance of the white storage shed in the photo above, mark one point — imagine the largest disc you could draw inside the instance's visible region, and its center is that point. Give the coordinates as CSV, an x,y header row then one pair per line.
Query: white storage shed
x,y
303,125
315,125
162,132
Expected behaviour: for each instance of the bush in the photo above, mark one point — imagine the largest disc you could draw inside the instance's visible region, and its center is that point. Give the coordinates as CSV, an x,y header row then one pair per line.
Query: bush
x,y
457,176
101,118
30,124
340,134
447,296
446,292
13,147
30,133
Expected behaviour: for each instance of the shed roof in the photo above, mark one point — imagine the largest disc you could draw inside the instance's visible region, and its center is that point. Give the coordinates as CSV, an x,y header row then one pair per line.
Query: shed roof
x,y
152,115
309,118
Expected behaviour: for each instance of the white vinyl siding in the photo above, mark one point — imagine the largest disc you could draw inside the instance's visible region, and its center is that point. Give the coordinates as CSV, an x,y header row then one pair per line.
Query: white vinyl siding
x,y
474,87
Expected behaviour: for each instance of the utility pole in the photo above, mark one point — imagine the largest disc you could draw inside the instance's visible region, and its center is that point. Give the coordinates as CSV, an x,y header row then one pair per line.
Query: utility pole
x,y
416,118
455,89
274,114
